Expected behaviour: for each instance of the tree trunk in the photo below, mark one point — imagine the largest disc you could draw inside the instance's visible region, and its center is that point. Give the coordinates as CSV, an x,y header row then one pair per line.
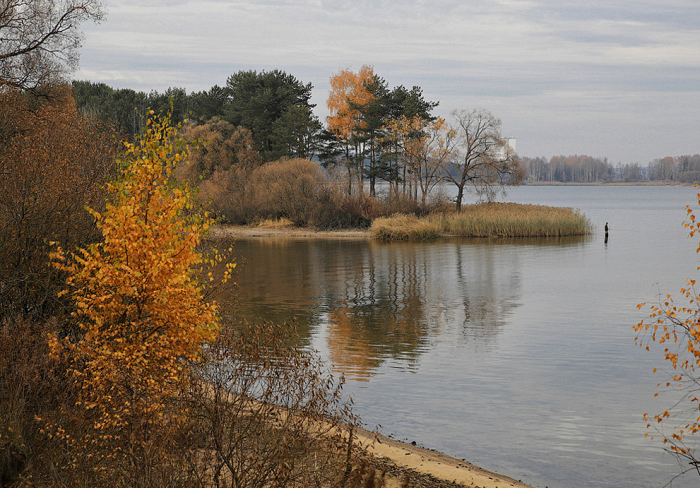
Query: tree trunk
x,y
458,200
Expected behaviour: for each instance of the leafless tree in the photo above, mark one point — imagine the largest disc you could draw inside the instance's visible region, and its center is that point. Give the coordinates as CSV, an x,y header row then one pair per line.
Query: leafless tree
x,y
39,40
484,159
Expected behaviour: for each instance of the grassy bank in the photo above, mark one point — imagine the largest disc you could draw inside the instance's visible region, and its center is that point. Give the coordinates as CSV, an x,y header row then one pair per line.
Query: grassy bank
x,y
485,220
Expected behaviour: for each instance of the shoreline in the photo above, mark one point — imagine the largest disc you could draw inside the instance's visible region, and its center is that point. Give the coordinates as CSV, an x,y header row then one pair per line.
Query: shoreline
x,y
433,464
238,231
611,183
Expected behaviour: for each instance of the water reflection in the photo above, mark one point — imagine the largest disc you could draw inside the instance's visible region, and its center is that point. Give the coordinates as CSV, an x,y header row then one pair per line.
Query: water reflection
x,y
369,302
495,351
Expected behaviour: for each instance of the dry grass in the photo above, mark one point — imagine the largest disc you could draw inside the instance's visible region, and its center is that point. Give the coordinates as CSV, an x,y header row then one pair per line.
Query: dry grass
x,y
404,227
280,223
486,220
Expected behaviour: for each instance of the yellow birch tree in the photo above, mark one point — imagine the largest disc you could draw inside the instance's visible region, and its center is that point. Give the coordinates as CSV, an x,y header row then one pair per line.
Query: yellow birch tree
x,y
140,306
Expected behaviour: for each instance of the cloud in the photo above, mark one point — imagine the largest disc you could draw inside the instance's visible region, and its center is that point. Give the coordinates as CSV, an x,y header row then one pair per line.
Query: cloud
x,y
597,73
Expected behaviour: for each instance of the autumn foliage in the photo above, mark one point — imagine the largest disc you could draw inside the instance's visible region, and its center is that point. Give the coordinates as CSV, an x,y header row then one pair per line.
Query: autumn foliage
x,y
427,147
348,91
139,303
675,325
53,162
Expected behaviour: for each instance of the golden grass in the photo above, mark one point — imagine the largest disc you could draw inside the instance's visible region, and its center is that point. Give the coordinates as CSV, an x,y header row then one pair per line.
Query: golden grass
x,y
486,220
400,227
274,223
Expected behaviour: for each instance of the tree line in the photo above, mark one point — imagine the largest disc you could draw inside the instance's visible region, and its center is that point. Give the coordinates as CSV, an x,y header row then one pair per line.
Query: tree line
x,y
587,169
116,366
375,133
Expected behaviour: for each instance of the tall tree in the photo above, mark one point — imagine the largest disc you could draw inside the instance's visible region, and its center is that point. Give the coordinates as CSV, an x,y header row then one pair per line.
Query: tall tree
x,y
403,105
425,147
297,133
124,108
221,147
369,128
257,101
208,104
39,40
410,103
485,160
349,91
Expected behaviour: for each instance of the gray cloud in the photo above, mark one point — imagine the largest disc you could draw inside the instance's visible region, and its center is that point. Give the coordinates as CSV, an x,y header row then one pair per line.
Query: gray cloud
x,y
606,78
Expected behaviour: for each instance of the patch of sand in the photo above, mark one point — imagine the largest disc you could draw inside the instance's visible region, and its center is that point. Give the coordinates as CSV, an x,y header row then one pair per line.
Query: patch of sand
x,y
245,232
434,463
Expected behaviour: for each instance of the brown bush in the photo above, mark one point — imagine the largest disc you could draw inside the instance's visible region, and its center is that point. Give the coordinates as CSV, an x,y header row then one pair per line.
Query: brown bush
x,y
288,189
53,162
221,146
32,386
339,210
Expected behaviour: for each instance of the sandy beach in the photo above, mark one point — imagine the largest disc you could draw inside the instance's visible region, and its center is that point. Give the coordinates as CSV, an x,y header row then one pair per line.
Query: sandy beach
x,y
432,463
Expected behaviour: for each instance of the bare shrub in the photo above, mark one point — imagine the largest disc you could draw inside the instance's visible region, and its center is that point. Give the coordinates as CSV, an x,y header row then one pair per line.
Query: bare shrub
x,y
339,210
267,414
32,386
229,194
221,146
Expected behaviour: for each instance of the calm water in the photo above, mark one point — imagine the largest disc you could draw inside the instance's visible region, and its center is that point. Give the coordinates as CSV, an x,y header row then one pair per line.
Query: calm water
x,y
516,355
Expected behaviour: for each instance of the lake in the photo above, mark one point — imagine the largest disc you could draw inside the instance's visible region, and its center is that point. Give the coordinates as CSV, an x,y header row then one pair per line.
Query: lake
x,y
517,355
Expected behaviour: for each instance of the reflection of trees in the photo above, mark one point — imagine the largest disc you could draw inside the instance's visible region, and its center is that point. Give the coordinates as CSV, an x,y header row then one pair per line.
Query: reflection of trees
x,y
378,308
489,287
276,280
382,301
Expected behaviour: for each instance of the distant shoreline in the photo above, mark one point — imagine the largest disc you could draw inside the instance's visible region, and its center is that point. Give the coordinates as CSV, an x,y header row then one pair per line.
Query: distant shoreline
x,y
601,183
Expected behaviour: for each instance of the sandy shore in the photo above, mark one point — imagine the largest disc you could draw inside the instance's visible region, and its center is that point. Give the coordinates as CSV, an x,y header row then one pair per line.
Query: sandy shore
x,y
432,463
235,231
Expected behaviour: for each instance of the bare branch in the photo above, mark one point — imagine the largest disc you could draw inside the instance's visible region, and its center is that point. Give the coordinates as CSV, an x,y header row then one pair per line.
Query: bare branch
x,y
484,159
39,40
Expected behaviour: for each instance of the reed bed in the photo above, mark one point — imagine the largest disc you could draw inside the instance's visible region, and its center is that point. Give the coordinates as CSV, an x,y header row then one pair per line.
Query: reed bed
x,y
486,220
401,227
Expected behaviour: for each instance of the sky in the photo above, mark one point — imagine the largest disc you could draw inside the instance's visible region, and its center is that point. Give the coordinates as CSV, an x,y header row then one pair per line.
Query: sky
x,y
605,78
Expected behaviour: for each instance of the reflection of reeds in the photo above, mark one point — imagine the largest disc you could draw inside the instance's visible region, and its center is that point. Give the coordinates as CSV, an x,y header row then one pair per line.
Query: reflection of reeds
x,y
486,220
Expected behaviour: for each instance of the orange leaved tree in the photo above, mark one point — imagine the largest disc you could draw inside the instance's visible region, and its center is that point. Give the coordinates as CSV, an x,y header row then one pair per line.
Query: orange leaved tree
x,y
676,326
140,310
349,90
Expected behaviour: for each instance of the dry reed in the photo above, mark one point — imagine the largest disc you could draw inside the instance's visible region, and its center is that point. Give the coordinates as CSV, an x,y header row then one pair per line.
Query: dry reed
x,y
486,220
404,227
279,223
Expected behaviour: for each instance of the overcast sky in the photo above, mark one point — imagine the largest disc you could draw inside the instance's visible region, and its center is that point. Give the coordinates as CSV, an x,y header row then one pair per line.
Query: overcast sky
x,y
608,78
